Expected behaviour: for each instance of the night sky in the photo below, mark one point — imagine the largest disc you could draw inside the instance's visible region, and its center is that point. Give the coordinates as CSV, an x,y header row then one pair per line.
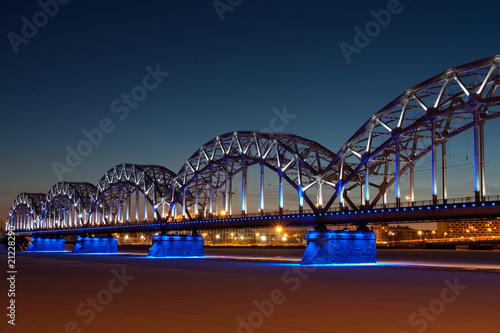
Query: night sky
x,y
228,69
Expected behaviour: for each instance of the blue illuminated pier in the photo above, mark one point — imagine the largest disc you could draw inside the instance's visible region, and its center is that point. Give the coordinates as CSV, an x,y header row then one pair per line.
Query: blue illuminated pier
x,y
96,245
177,246
340,247
46,244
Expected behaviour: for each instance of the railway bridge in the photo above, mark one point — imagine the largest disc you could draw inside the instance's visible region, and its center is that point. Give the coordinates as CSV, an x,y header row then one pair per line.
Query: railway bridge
x,y
297,181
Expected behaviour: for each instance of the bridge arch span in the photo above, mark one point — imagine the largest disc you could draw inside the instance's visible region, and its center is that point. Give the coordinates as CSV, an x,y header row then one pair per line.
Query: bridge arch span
x,y
112,200
25,211
414,125
67,204
210,171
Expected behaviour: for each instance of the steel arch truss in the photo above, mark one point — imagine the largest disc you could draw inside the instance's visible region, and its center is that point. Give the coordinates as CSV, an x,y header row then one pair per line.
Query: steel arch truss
x,y
210,171
112,199
413,125
67,205
25,211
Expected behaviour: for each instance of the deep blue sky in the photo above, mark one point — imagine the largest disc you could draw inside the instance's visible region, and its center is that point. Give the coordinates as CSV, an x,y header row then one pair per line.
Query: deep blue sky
x,y
224,75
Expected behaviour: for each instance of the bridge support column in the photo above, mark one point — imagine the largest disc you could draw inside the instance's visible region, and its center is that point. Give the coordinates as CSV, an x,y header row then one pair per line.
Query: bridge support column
x,y
177,246
226,189
480,191
433,166
481,162
96,245
443,173
244,188
339,247
367,187
136,206
261,206
46,244
412,185
281,195
398,184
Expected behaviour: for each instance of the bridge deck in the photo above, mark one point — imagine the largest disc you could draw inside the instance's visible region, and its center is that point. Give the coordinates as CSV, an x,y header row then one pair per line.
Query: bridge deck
x,y
416,214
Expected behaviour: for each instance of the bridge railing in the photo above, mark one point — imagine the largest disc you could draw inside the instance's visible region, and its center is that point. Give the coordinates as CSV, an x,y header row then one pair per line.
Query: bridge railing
x,y
378,206
273,213
424,203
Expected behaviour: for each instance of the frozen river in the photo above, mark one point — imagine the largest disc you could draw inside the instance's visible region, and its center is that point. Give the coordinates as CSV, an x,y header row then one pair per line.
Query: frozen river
x,y
233,290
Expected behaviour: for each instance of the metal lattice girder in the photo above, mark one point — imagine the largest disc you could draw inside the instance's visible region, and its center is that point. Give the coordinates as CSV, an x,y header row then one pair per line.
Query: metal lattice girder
x,y
424,116
301,162
26,205
63,195
154,181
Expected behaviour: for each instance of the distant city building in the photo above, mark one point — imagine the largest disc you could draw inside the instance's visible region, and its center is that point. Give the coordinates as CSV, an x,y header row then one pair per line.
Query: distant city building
x,y
296,236
386,233
469,228
270,236
254,236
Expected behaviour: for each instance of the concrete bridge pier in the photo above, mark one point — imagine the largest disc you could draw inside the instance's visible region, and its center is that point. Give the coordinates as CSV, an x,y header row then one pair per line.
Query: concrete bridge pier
x,y
177,246
46,244
339,247
87,244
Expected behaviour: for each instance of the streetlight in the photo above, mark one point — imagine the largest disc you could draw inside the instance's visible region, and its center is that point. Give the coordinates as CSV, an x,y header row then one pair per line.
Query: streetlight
x,y
420,234
392,239
278,229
